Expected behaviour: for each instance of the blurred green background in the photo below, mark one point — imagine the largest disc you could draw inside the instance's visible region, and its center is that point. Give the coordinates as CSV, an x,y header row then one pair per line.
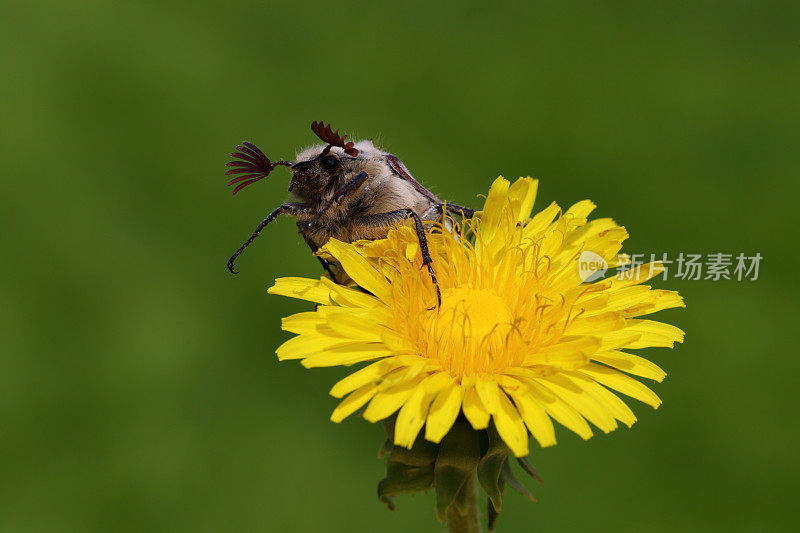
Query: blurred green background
x,y
138,385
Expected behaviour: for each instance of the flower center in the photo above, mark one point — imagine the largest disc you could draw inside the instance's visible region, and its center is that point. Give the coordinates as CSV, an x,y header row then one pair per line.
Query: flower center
x,y
479,312
469,332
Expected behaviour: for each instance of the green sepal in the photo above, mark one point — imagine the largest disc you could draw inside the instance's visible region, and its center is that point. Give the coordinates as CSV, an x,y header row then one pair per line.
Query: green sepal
x,y
462,453
491,516
422,453
490,468
528,467
514,483
461,501
457,459
385,448
388,426
403,479
407,470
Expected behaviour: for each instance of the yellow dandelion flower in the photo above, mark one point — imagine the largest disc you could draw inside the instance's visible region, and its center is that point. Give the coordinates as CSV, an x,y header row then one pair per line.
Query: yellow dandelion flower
x,y
519,338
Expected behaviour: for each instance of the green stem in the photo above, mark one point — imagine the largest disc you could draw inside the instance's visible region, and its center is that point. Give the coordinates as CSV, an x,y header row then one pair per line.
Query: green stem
x,y
467,522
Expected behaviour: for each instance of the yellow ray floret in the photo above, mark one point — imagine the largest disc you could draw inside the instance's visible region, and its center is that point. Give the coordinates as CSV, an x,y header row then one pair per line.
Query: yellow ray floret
x,y
519,339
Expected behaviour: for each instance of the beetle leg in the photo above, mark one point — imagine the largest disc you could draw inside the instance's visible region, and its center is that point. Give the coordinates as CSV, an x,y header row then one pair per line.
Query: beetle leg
x,y
385,219
324,262
285,209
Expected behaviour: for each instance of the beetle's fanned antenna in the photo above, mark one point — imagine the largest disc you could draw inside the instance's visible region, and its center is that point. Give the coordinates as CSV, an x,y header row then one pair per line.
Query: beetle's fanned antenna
x,y
251,162
332,138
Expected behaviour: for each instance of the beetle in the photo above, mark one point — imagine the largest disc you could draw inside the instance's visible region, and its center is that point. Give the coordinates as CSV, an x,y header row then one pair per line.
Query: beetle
x,y
345,190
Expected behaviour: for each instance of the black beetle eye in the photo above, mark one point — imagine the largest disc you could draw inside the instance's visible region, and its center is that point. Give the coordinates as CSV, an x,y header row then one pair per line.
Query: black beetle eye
x,y
329,162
